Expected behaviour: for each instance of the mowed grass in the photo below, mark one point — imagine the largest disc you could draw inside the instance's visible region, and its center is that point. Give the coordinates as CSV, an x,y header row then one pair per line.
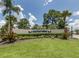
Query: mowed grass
x,y
41,48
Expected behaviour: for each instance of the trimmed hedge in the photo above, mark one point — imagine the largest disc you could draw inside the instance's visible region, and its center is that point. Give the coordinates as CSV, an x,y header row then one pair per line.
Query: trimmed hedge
x,y
40,35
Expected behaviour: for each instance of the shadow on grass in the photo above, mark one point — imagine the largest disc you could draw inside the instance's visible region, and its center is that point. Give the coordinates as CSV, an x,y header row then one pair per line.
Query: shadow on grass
x,y
11,42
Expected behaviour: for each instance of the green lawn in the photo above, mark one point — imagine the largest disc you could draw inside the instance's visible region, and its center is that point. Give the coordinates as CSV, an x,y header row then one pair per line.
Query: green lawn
x,y
41,48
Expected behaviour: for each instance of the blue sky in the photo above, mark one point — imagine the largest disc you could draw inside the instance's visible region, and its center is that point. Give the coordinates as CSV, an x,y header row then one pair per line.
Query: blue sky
x,y
37,7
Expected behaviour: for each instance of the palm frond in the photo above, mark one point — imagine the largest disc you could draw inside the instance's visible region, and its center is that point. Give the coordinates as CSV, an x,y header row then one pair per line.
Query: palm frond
x,y
5,12
12,18
8,3
16,9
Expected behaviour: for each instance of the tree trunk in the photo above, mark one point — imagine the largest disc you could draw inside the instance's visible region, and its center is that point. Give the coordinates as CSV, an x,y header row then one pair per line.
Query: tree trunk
x,y
46,26
10,34
65,29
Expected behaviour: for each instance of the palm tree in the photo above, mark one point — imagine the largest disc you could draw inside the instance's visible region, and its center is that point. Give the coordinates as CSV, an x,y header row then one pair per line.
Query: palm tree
x,y
9,8
65,14
12,20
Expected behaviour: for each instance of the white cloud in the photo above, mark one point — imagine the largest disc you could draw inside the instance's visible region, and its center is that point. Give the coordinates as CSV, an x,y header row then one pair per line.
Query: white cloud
x,y
2,22
21,15
76,13
47,2
70,20
19,7
32,18
0,0
1,9
71,24
76,21
67,19
74,24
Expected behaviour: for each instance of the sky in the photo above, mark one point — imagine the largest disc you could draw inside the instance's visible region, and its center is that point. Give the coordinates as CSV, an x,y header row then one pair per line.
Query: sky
x,y
33,10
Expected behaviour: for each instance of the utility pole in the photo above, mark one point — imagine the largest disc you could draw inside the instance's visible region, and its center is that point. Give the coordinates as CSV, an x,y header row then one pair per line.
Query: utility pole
x,y
71,32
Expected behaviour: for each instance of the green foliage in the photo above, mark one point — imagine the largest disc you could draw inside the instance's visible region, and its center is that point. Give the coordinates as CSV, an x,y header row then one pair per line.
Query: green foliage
x,y
5,12
64,15
46,21
10,19
61,24
51,26
8,3
4,34
41,35
16,9
77,31
56,18
23,24
35,26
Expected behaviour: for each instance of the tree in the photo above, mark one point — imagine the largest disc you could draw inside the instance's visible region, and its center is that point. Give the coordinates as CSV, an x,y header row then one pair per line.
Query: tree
x,y
4,32
46,21
52,26
12,19
65,14
23,24
35,26
77,31
56,18
52,17
9,8
60,24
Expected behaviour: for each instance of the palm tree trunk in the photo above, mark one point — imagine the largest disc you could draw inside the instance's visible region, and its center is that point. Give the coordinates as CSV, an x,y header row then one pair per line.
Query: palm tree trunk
x,y
64,22
65,29
10,29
